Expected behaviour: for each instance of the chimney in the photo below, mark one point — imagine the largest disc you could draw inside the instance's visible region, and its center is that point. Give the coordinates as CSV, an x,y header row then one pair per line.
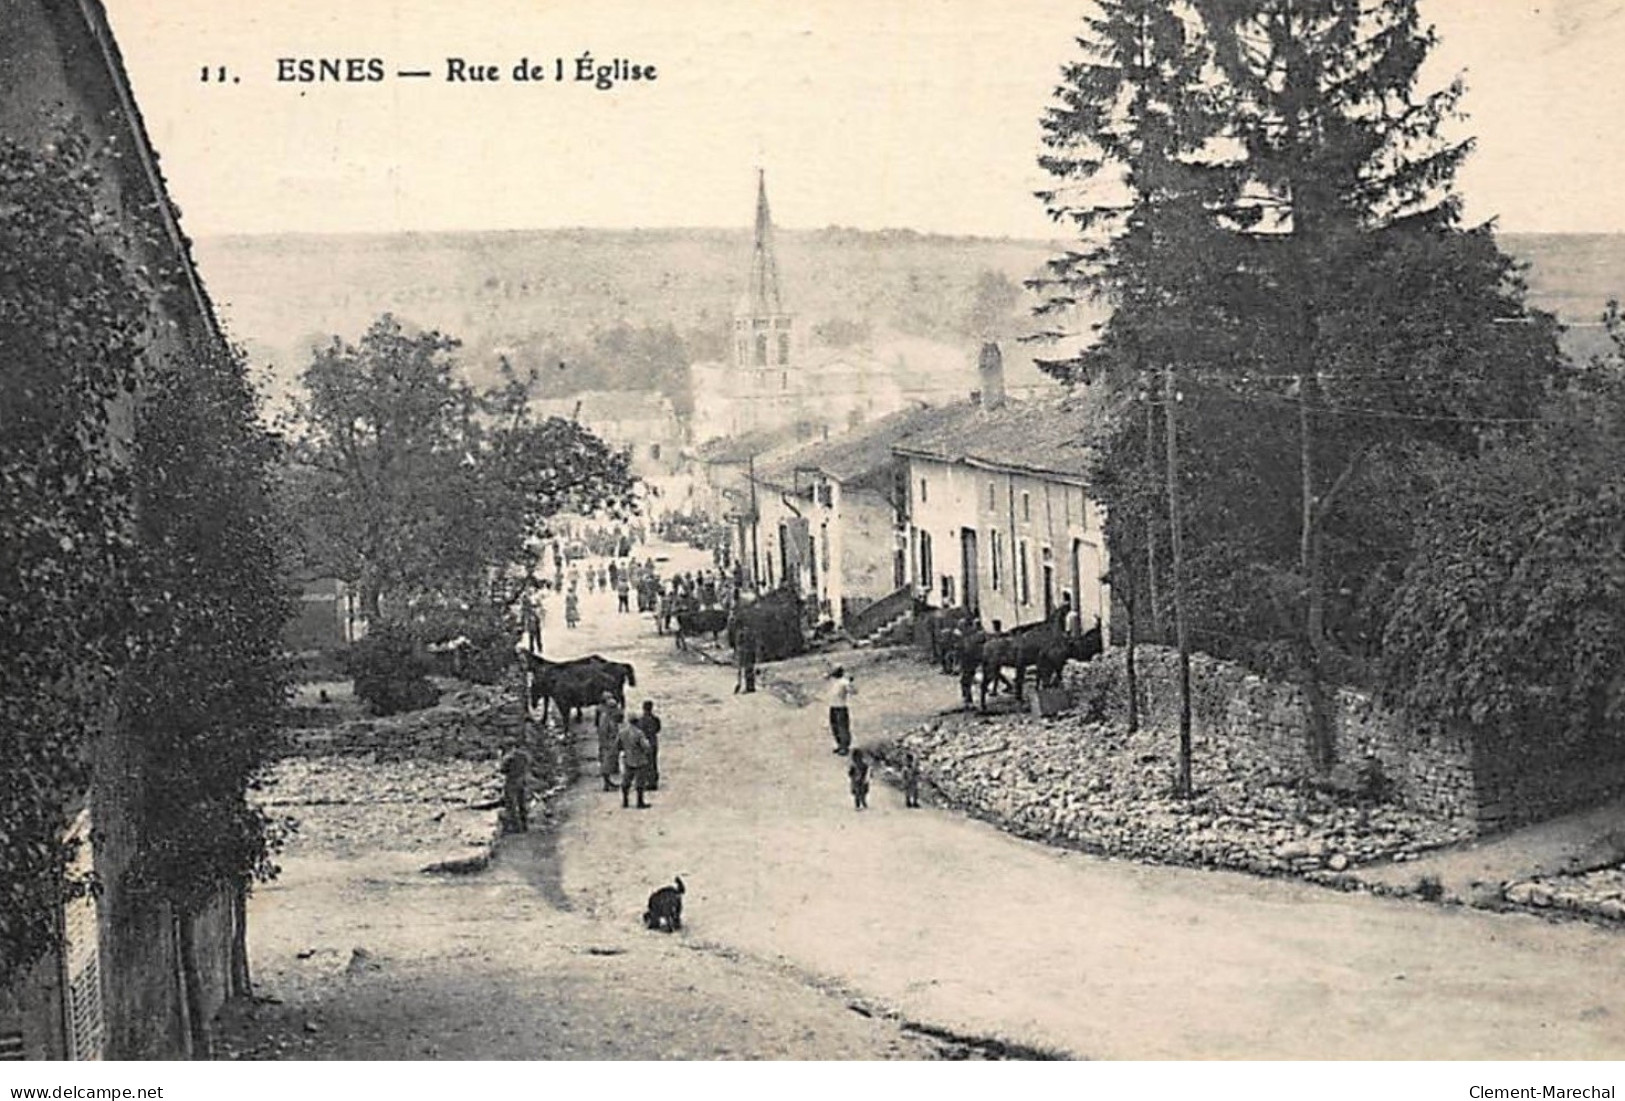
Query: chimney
x,y
990,373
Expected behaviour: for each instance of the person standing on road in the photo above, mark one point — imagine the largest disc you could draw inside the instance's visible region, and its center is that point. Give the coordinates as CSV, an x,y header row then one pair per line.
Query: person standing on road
x,y
516,790
634,749
841,691
608,724
911,780
858,773
745,655
572,609
623,593
649,723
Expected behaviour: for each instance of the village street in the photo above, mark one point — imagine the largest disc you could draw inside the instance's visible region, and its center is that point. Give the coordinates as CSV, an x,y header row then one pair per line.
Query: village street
x,y
798,906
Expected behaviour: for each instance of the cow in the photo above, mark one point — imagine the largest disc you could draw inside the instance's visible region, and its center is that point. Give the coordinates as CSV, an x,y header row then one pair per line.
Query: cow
x,y
700,621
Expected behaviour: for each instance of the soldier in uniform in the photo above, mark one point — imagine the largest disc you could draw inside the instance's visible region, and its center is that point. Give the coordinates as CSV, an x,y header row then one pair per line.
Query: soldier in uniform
x,y
516,790
745,654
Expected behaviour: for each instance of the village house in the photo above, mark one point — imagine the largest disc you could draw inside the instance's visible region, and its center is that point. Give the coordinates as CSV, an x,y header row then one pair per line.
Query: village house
x,y
999,517
829,516
117,989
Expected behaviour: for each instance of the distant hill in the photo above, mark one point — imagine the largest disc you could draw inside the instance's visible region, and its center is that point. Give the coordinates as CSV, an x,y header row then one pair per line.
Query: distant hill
x,y
280,293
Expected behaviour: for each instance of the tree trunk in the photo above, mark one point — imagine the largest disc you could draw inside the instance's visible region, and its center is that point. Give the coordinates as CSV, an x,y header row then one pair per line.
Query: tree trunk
x,y
197,1026
1130,674
242,984
1155,621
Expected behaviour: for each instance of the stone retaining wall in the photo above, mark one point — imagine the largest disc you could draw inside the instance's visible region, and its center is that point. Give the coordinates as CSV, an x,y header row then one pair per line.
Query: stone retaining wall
x,y
1492,782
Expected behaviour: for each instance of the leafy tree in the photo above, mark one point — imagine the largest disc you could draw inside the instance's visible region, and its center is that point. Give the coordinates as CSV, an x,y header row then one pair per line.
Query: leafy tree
x,y
203,694
414,486
1511,615
140,592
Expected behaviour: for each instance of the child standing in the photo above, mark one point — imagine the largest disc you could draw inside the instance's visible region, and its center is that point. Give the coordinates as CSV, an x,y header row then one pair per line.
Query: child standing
x,y
911,780
858,773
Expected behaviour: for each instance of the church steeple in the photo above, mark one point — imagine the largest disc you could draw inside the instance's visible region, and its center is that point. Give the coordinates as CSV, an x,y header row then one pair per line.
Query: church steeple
x,y
764,267
762,329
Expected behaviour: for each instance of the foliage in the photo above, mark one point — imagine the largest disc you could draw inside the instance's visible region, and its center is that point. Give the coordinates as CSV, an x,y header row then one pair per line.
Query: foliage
x,y
71,311
1266,203
841,332
1512,613
206,685
992,310
390,672
412,485
489,630
619,357
138,576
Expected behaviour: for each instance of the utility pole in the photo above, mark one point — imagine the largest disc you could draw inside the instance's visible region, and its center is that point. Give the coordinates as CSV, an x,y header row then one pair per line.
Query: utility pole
x,y
1321,746
755,545
1182,782
1155,619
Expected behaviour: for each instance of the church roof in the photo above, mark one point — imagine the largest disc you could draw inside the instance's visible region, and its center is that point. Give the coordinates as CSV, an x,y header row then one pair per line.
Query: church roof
x,y
762,297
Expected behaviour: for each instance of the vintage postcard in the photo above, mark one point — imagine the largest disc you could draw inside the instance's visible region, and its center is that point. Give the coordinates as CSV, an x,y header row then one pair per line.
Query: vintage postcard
x,y
821,531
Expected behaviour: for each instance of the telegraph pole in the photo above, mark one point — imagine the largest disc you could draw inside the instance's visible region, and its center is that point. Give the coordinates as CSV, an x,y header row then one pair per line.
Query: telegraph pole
x,y
755,545
1182,782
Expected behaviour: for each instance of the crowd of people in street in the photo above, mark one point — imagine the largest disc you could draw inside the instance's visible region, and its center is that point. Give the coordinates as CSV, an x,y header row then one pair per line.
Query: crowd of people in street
x,y
628,748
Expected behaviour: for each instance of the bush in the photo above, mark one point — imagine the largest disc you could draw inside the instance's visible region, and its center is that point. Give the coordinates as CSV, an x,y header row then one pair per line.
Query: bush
x,y
490,633
390,673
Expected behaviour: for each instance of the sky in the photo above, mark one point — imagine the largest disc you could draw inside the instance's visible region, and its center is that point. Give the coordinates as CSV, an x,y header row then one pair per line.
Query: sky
x,y
869,113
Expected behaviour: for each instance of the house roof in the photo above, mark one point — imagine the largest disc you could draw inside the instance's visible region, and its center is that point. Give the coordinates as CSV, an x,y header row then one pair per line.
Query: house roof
x,y
739,449
857,454
1051,437
607,406
93,17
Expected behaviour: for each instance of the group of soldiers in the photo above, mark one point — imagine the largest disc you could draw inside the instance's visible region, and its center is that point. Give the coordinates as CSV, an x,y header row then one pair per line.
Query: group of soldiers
x,y
629,748
628,752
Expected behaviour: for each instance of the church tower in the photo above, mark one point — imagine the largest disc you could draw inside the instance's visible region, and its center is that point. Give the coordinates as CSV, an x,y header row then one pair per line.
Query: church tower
x,y
763,331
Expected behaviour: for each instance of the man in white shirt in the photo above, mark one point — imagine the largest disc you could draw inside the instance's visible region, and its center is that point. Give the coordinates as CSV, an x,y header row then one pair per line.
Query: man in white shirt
x,y
840,715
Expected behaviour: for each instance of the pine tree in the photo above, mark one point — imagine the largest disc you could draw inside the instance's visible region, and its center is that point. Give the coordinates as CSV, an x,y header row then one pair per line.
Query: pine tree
x,y
1267,204
1379,302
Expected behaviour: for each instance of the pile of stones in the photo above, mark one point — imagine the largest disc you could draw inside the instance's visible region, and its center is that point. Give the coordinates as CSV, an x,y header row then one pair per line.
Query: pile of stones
x,y
1096,787
470,722
1599,893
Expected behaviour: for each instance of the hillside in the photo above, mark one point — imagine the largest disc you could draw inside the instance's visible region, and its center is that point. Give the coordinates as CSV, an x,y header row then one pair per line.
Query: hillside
x,y
280,293
497,291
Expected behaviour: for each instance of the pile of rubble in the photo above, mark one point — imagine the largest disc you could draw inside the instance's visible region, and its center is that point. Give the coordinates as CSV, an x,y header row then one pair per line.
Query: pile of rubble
x,y
471,722
1599,893
1094,786
423,781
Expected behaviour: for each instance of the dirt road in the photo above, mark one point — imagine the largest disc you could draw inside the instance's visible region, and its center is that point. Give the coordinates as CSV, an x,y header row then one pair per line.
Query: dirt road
x,y
952,922
800,908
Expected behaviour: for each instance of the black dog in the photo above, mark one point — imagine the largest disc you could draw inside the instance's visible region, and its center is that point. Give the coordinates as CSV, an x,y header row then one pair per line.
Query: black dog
x,y
665,910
